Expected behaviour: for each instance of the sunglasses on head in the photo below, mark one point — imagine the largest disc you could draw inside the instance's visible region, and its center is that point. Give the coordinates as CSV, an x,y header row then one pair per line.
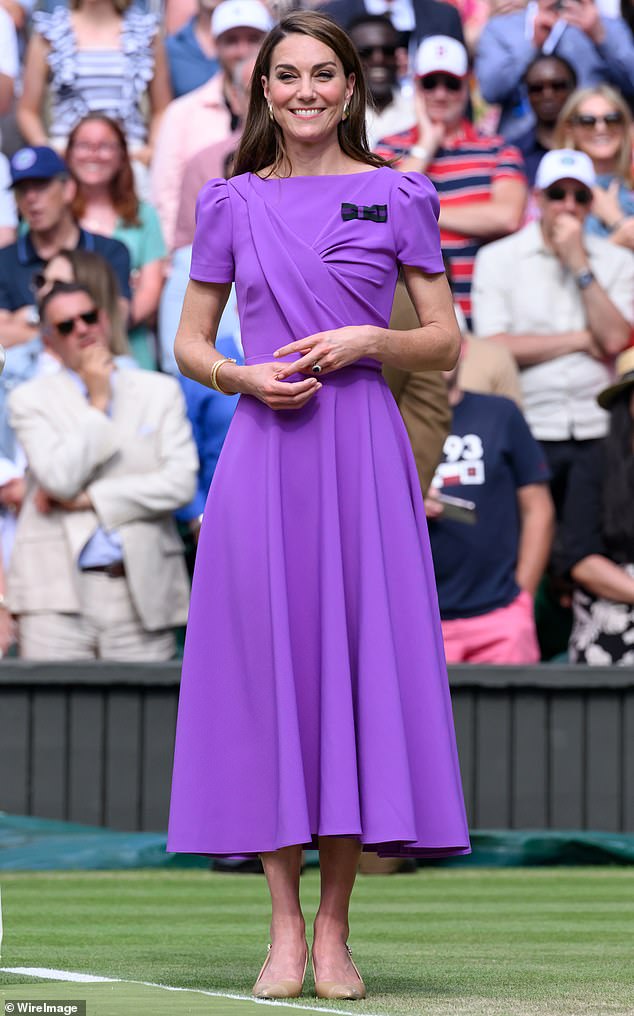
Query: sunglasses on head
x,y
539,87
89,317
365,52
558,193
614,119
431,81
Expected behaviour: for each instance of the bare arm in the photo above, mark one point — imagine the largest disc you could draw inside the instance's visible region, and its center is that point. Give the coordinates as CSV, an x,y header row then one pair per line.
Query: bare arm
x,y
16,12
160,91
603,577
433,346
529,349
487,219
29,108
195,353
610,330
7,235
6,93
14,329
537,521
146,292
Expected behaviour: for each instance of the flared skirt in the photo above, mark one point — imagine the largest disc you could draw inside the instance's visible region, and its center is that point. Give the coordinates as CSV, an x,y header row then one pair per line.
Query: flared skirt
x,y
314,698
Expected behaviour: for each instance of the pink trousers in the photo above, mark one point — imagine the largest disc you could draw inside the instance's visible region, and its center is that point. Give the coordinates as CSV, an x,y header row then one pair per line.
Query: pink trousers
x,y
506,635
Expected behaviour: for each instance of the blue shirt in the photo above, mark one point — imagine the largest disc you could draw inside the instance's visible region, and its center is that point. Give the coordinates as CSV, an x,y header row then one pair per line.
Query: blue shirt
x,y
489,454
20,260
189,67
626,200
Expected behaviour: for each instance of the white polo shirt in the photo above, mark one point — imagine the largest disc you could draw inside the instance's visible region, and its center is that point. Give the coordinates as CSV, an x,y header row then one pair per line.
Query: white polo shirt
x,y
520,287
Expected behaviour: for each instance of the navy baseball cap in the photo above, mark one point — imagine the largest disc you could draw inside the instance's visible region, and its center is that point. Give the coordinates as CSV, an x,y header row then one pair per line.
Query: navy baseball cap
x,y
37,163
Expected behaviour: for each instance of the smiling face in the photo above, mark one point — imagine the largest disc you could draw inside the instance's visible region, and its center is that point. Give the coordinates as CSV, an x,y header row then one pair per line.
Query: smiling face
x,y
377,44
95,156
307,89
592,133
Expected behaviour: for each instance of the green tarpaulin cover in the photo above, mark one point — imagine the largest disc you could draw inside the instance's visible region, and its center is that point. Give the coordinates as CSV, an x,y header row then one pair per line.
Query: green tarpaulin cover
x,y
37,844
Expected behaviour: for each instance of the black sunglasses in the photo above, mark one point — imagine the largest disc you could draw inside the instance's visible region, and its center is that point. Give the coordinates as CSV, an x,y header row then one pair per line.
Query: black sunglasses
x,y
539,87
431,81
557,193
614,119
89,317
365,52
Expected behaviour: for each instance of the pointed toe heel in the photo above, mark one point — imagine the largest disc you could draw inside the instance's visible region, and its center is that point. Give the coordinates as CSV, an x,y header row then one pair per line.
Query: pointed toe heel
x,y
352,992
287,988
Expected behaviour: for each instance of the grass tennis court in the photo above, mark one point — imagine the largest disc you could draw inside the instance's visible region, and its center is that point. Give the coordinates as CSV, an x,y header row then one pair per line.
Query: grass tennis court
x,y
503,942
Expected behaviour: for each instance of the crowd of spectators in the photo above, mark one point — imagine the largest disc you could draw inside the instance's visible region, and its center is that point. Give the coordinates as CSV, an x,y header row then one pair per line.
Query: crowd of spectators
x,y
114,113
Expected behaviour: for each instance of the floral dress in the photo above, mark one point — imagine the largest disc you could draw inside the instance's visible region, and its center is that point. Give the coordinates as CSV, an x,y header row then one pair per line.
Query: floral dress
x,y
108,81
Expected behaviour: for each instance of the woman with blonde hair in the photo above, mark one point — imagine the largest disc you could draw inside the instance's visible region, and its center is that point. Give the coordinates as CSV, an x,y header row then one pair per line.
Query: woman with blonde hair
x,y
597,121
96,56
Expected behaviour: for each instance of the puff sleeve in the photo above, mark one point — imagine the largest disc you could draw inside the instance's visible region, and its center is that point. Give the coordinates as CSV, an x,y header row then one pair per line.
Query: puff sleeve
x,y
212,253
415,209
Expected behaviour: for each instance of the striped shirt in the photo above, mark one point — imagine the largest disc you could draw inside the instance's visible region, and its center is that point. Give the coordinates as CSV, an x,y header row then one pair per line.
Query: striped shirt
x,y
109,81
463,172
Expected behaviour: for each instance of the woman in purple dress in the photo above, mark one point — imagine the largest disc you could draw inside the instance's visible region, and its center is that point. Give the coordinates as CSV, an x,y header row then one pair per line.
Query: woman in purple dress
x,y
314,703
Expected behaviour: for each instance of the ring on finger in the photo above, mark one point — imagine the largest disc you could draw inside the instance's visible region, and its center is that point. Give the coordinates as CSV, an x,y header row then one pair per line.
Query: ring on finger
x,y
316,368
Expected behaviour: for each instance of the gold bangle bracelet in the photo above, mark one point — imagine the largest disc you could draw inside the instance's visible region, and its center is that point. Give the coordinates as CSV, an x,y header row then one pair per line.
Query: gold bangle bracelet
x,y
214,373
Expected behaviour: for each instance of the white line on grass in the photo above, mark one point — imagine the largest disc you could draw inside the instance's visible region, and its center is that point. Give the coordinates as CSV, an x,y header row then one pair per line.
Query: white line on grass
x,y
69,975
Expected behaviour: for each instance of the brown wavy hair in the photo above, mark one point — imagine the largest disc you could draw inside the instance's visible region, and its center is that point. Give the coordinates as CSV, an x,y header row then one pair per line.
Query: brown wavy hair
x,y
122,191
565,124
262,142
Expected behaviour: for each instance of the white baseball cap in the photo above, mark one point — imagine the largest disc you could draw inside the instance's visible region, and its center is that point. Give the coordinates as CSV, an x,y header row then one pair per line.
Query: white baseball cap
x,y
240,14
441,53
565,164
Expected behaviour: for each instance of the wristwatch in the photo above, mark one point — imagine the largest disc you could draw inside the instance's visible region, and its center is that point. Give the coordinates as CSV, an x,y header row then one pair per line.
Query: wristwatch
x,y
584,278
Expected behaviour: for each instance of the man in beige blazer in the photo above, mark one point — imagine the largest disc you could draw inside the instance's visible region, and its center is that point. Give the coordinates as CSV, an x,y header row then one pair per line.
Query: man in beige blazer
x,y
97,567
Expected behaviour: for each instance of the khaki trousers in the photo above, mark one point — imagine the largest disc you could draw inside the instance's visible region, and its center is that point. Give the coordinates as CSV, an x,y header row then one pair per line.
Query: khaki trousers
x,y
107,628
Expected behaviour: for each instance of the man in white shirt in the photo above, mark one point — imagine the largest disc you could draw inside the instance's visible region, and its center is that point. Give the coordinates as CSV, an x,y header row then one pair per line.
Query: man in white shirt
x,y
563,303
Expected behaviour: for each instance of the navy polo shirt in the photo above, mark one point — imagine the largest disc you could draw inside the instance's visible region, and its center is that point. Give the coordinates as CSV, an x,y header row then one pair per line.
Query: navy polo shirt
x,y
20,260
489,454
189,66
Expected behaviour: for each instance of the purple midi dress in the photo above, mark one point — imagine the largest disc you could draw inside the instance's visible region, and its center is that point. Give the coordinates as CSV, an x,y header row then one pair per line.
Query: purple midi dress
x,y
314,696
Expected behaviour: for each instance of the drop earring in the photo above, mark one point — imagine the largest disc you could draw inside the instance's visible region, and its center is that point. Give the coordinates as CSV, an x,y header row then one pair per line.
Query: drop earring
x,y
346,110
270,105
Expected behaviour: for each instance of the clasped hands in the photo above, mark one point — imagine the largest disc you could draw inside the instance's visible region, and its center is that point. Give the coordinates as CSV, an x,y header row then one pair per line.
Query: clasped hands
x,y
581,14
332,350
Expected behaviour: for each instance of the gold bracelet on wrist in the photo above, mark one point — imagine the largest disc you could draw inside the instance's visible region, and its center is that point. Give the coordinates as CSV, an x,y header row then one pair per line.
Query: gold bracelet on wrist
x,y
214,373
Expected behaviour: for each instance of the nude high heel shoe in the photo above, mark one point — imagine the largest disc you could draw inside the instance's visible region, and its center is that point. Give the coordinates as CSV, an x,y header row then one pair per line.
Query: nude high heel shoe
x,y
288,988
334,989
